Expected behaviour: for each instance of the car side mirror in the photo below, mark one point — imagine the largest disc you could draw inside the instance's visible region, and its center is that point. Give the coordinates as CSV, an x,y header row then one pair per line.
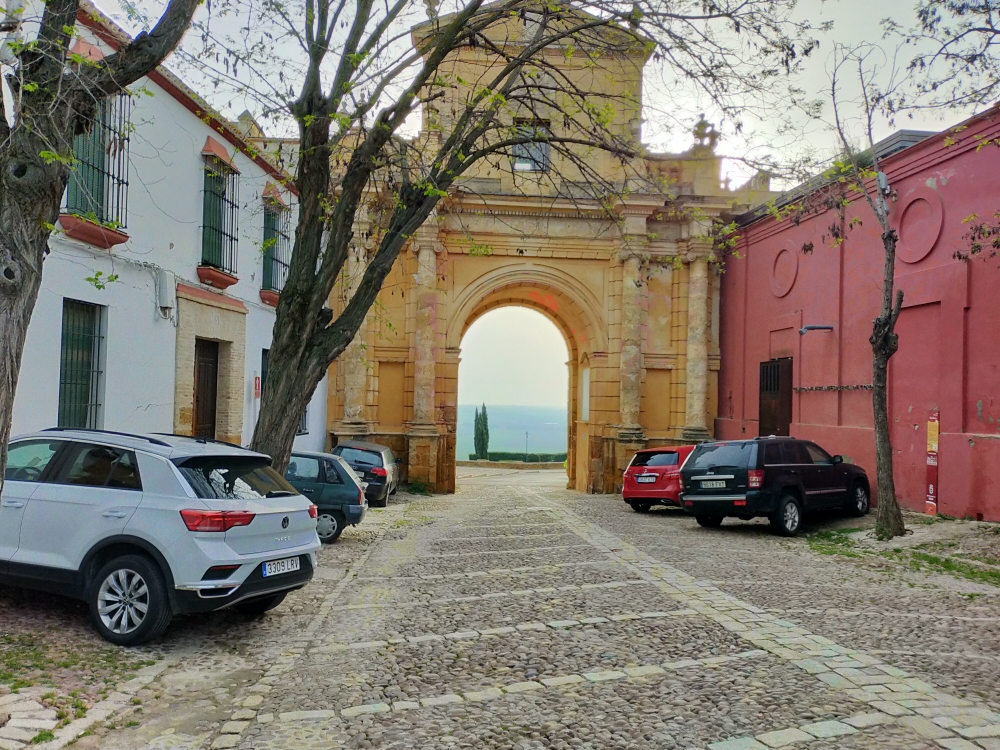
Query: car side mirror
x,y
838,459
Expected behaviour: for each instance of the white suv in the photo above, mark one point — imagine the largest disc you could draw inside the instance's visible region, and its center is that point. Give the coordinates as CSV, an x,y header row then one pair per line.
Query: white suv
x,y
143,527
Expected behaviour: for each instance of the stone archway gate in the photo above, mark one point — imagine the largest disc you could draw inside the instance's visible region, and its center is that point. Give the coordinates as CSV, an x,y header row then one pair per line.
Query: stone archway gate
x,y
636,295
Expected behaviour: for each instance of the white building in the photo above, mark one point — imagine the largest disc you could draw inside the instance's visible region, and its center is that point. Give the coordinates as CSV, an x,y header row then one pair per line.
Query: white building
x,y
156,307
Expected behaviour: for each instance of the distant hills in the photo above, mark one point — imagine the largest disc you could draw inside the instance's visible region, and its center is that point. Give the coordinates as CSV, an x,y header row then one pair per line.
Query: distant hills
x,y
546,428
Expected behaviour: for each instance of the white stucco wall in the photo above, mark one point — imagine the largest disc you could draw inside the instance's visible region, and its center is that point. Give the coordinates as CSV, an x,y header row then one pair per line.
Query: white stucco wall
x,y
163,222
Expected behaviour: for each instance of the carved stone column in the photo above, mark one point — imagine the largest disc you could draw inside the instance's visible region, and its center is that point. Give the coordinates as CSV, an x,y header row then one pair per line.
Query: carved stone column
x,y
425,356
354,361
630,364
425,440
696,416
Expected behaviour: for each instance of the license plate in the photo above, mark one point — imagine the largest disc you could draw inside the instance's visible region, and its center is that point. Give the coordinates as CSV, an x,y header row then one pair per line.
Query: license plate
x,y
277,567
645,480
713,484
359,474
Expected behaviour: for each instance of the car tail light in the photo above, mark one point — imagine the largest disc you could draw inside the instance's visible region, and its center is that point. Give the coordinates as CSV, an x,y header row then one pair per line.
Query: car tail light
x,y
739,502
361,496
313,511
215,520
755,478
680,482
379,471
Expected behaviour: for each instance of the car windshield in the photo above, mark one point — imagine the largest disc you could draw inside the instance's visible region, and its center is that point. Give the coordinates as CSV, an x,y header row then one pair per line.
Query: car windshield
x,y
655,459
358,456
233,478
734,455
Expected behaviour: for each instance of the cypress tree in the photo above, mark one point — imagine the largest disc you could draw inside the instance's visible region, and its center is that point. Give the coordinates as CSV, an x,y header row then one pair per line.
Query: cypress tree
x,y
477,434
486,432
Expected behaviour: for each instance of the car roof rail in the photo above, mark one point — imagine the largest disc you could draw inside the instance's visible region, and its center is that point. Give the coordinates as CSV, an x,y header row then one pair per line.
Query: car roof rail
x,y
201,439
147,438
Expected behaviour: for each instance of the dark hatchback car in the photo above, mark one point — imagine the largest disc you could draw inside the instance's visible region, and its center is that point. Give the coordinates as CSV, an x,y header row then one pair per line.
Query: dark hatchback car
x,y
329,482
375,464
778,478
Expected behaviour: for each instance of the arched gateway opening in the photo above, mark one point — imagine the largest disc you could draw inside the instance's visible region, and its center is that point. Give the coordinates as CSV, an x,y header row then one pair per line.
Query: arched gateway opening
x,y
561,298
514,361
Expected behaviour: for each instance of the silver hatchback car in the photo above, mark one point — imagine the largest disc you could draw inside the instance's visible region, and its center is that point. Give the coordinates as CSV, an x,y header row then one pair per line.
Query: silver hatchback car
x,y
144,527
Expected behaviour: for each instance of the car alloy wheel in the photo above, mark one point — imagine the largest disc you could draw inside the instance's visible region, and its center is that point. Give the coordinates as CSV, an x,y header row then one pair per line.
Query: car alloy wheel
x,y
327,526
791,518
123,601
861,499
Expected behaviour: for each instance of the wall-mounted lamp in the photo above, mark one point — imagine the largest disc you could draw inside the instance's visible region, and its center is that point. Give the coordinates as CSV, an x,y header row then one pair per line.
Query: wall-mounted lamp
x,y
803,329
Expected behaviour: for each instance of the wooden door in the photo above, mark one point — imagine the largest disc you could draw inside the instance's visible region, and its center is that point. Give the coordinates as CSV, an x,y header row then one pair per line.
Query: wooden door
x,y
206,387
775,417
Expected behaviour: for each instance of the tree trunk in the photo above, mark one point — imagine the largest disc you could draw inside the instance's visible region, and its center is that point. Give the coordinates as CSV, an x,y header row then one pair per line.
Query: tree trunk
x,y
289,388
17,301
30,194
884,341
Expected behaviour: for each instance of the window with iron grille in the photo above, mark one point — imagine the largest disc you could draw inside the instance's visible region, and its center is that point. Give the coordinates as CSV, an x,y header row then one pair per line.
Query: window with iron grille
x,y
81,372
98,184
277,247
219,230
303,428
532,156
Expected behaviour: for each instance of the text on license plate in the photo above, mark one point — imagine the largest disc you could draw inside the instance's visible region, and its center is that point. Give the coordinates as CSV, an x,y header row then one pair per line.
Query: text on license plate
x,y
277,567
642,478
713,484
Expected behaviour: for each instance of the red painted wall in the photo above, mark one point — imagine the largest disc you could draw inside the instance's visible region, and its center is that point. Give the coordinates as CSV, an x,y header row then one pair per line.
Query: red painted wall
x,y
949,329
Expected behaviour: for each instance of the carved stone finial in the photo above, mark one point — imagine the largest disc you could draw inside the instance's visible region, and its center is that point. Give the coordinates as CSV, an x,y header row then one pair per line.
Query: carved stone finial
x,y
705,134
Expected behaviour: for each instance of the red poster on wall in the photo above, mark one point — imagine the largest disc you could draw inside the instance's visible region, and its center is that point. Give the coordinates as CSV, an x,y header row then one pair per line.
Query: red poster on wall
x,y
932,463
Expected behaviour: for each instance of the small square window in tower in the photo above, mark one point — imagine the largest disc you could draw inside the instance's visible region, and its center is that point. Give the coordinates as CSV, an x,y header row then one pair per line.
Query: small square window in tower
x,y
532,155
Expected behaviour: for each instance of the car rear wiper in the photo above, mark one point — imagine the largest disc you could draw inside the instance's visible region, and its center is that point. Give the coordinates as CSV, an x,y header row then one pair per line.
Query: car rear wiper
x,y
281,493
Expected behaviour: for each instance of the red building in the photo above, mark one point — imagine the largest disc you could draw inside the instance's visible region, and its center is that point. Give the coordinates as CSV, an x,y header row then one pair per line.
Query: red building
x,y
816,383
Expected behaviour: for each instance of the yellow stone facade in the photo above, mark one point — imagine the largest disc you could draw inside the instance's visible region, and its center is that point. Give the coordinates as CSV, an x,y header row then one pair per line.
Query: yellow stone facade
x,y
636,295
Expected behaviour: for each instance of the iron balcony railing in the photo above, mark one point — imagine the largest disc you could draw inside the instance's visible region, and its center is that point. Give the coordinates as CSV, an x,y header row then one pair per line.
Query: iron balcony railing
x,y
277,248
98,185
219,234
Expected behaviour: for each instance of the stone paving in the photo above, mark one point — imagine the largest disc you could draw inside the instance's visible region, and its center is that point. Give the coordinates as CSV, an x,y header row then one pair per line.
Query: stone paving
x,y
517,614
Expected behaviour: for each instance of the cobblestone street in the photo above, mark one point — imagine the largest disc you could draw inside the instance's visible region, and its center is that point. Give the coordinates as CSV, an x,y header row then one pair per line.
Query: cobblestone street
x,y
519,614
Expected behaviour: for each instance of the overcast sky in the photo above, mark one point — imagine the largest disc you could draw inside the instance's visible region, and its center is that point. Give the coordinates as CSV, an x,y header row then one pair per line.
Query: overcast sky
x,y
513,356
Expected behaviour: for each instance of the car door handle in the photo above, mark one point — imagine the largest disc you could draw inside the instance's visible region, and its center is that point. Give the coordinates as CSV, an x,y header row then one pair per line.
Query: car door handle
x,y
11,504
115,514
309,492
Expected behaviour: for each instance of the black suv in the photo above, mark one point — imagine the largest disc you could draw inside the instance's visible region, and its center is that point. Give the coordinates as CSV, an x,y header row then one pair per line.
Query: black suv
x,y
769,476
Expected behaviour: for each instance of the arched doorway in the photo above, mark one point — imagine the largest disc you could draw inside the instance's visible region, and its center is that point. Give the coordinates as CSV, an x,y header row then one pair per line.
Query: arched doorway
x,y
561,298
515,361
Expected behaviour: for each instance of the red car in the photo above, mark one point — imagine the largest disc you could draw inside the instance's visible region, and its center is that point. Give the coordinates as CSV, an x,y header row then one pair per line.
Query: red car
x,y
653,477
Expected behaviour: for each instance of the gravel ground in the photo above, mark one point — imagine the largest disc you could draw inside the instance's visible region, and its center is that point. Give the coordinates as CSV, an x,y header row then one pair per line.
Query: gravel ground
x,y
517,614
